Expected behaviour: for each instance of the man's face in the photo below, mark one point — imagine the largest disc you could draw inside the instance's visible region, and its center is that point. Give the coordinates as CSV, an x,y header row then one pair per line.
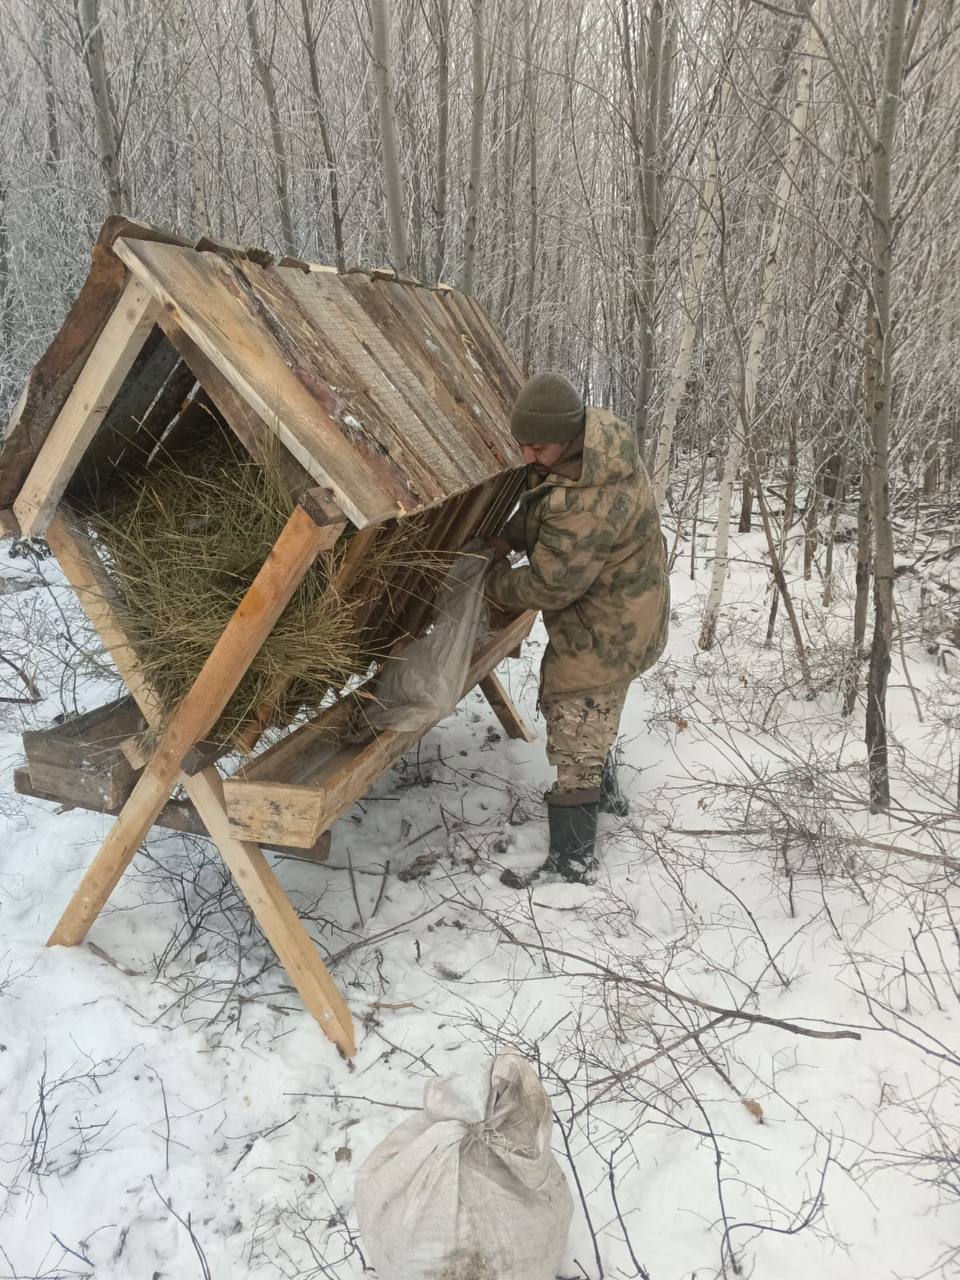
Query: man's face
x,y
542,456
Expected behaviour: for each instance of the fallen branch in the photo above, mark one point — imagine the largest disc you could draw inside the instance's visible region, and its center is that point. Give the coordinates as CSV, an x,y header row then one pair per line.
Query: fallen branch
x,y
645,984
938,859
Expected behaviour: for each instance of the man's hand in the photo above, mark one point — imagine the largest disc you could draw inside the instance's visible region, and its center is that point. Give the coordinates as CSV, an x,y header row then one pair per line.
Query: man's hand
x,y
500,546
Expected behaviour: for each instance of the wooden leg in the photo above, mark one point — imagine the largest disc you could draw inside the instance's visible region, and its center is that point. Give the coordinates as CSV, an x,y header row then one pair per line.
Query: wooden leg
x,y
267,597
281,925
504,708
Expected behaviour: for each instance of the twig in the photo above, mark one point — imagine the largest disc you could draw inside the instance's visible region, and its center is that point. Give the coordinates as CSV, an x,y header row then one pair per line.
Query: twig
x,y
188,1227
66,1248
938,859
383,885
353,888
354,1097
645,984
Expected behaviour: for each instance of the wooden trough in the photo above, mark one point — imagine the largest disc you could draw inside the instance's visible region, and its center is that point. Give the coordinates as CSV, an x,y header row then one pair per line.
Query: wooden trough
x,y
386,400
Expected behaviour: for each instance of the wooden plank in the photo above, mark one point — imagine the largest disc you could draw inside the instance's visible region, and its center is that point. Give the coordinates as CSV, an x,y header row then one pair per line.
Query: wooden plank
x,y
266,598
256,808
287,811
83,757
176,815
505,709
202,295
85,408
414,423
418,327
280,923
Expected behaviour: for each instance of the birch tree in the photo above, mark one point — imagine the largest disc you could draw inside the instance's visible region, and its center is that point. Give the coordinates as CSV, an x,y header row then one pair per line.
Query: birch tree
x,y
104,109
759,333
478,96
263,68
880,377
389,138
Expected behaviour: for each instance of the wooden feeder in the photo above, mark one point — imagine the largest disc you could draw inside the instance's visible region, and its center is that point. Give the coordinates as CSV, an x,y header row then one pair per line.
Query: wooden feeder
x,y
386,399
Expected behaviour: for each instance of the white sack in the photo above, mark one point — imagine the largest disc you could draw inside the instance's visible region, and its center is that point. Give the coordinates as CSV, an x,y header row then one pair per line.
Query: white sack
x,y
469,1189
422,683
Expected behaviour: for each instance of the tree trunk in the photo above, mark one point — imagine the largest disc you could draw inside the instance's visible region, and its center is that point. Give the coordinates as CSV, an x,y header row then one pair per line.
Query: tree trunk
x,y
320,111
655,70
51,155
443,137
745,523
389,139
681,365
264,73
876,726
104,112
758,337
832,536
786,520
476,148
534,228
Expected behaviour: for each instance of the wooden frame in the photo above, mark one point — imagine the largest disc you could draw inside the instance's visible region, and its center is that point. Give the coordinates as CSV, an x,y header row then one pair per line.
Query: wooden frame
x,y
347,779
433,429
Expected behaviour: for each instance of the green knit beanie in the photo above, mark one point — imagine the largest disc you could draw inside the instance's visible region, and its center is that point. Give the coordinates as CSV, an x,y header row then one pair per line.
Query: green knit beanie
x,y
548,410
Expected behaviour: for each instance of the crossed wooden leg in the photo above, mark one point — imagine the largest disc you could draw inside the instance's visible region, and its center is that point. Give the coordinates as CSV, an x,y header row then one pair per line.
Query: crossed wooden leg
x,y
295,551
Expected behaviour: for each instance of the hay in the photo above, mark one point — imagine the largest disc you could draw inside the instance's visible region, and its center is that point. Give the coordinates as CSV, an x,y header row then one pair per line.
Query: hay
x,y
181,546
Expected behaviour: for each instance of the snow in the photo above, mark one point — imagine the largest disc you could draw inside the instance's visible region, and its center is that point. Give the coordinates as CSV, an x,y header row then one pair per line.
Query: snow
x,y
167,1108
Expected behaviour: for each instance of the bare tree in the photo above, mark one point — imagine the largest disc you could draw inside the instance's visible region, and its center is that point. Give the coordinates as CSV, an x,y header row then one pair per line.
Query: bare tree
x,y
879,377
310,38
478,96
104,110
389,139
263,67
760,331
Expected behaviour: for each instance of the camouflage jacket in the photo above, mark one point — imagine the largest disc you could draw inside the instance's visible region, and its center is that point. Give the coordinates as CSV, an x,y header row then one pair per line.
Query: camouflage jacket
x,y
597,565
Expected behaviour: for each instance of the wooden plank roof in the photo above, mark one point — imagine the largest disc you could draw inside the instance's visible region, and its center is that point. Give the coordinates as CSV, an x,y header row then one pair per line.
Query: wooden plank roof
x,y
394,395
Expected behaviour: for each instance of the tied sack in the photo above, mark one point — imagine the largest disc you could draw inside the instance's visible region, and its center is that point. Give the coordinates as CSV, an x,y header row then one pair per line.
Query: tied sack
x,y
423,682
469,1189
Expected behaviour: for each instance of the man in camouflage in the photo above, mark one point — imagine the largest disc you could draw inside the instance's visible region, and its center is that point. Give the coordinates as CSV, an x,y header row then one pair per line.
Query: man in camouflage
x,y
597,569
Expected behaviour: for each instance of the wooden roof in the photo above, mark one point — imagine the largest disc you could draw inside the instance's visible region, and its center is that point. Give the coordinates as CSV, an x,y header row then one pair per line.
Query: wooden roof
x,y
393,395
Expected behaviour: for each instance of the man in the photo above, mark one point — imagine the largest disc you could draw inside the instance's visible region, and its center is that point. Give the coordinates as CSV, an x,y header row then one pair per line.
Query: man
x,y
597,569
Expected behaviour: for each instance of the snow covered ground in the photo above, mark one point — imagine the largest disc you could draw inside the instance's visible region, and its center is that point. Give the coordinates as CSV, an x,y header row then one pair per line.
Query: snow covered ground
x,y
749,1026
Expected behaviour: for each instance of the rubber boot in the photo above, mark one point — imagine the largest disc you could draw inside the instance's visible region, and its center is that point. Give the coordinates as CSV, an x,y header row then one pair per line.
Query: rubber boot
x,y
572,816
573,834
612,799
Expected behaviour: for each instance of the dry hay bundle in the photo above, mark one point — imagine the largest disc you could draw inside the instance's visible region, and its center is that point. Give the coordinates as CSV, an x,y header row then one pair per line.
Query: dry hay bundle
x,y
181,544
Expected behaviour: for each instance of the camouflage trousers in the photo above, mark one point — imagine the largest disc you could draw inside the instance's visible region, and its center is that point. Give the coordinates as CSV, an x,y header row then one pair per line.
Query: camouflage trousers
x,y
580,732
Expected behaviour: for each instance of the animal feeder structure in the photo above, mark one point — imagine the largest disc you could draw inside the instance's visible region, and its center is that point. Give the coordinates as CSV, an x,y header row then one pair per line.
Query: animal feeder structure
x,y
377,410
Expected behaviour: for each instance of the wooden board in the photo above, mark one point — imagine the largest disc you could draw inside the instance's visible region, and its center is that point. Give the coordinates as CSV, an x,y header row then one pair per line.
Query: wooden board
x,y
82,758
279,812
504,708
176,815
86,406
